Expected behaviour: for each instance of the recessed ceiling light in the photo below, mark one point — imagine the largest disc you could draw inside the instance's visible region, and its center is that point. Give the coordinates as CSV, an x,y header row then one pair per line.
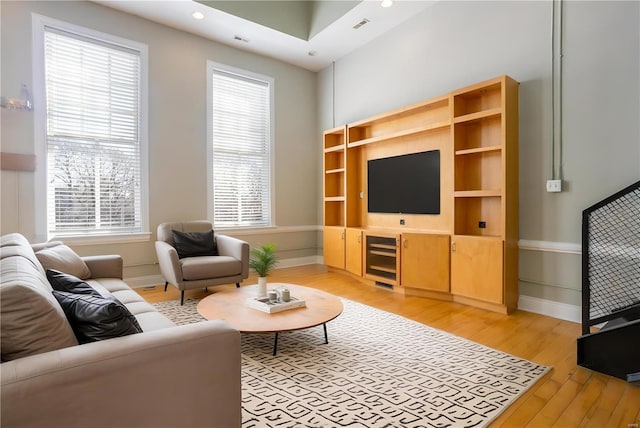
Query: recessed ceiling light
x,y
197,15
386,3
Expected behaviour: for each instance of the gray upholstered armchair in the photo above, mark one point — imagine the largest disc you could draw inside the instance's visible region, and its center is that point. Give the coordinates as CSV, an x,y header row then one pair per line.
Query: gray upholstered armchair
x,y
188,273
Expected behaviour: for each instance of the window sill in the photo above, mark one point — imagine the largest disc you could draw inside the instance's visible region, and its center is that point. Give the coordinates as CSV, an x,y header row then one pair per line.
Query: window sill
x,y
240,231
124,238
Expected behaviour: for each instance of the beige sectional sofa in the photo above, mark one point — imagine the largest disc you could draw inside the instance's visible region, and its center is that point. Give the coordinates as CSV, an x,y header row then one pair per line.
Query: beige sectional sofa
x,y
166,376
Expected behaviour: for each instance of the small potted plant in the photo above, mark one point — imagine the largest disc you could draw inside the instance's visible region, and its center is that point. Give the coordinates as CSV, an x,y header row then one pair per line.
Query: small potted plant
x,y
263,259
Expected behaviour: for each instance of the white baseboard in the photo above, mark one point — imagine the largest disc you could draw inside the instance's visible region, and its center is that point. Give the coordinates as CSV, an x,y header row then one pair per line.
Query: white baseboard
x,y
144,281
300,261
550,247
550,308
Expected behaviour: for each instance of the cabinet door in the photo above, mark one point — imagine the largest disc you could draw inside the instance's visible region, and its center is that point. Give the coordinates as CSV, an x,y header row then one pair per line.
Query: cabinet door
x,y
353,248
425,261
333,243
476,268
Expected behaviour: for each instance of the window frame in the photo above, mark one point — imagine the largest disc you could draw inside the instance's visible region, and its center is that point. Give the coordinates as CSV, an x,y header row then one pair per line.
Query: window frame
x,y
211,67
39,23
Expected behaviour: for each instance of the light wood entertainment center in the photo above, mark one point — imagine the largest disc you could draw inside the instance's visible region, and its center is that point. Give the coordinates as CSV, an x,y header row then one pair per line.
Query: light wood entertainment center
x,y
468,253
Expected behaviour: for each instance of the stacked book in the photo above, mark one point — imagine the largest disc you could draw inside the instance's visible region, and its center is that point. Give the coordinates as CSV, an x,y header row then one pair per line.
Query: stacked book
x,y
271,307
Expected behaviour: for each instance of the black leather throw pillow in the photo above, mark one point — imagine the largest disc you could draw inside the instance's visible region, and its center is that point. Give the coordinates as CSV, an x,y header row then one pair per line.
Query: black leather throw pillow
x,y
61,281
193,244
94,318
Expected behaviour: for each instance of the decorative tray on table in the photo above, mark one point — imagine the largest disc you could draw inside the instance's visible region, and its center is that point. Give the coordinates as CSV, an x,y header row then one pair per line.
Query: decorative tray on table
x,y
271,307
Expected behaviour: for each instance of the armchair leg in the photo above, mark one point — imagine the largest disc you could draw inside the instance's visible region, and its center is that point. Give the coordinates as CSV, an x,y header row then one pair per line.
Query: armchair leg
x,y
182,298
165,285
237,285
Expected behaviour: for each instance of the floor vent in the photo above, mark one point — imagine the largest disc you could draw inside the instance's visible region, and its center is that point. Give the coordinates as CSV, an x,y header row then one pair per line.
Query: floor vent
x,y
384,284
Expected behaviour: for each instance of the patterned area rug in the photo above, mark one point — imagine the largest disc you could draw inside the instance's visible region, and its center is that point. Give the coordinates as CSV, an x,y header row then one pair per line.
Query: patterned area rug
x,y
378,370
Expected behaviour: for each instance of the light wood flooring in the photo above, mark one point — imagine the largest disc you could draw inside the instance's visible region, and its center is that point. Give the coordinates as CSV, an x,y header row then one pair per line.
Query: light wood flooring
x,y
568,396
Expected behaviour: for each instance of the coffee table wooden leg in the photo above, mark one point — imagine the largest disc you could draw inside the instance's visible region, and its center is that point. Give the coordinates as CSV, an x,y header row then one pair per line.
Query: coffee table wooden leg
x,y
275,345
326,339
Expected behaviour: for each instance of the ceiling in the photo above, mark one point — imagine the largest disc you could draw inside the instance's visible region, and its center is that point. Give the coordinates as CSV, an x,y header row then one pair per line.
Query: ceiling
x,y
309,34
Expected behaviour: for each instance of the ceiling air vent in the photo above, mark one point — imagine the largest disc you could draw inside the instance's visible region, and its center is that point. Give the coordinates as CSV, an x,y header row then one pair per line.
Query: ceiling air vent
x,y
361,23
241,39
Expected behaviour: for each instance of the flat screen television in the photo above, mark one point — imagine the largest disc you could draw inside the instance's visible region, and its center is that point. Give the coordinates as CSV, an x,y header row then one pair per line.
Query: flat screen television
x,y
407,184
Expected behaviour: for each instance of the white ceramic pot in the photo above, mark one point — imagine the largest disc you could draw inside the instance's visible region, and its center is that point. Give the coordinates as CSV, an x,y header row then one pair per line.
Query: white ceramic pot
x,y
262,286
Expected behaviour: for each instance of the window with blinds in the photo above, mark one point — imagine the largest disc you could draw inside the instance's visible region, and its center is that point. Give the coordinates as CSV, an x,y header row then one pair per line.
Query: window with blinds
x,y
93,143
241,149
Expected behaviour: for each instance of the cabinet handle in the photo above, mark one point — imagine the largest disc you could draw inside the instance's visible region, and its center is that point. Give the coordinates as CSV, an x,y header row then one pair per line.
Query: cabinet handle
x,y
453,247
342,236
404,243
359,239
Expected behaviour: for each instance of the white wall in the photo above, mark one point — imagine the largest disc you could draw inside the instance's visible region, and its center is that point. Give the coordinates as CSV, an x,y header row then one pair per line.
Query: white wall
x,y
449,45
453,44
177,129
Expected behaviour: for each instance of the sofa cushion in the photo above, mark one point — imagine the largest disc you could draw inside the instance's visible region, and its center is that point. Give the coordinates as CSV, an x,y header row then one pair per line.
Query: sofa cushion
x,y
13,239
32,321
61,281
96,318
14,244
194,268
195,244
63,259
146,315
152,321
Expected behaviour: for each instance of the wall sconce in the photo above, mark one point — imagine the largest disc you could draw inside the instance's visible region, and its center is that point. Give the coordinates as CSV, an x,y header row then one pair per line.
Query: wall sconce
x,y
22,103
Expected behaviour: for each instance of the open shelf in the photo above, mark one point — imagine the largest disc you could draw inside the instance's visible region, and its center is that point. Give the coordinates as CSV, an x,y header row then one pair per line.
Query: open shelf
x,y
415,119
480,115
478,215
479,170
478,150
334,185
334,149
475,100
334,211
334,167
334,171
334,139
478,134
477,193
399,134
334,161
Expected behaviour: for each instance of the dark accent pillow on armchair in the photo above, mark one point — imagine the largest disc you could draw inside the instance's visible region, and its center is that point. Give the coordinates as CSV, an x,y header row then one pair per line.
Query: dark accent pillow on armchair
x,y
94,318
194,244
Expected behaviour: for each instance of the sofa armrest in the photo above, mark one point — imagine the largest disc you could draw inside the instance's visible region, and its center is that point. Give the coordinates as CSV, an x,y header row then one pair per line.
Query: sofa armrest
x,y
185,376
107,266
236,248
169,262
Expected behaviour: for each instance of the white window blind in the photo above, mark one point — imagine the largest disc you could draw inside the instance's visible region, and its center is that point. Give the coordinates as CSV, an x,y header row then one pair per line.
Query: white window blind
x,y
241,133
92,91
